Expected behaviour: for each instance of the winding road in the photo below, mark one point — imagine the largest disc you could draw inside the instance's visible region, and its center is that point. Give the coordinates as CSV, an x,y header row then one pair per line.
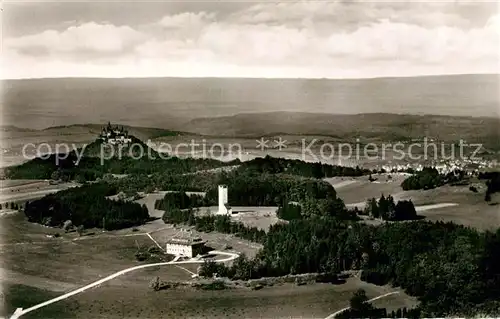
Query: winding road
x,y
19,311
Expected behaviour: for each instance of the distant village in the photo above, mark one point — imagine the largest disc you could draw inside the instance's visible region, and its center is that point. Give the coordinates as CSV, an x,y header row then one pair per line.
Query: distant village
x,y
114,135
470,166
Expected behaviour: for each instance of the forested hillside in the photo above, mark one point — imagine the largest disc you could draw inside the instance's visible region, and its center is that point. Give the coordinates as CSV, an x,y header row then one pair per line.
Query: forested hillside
x,y
86,206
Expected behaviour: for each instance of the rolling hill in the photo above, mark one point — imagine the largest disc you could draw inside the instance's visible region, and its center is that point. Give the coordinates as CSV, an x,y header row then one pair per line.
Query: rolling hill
x,y
381,126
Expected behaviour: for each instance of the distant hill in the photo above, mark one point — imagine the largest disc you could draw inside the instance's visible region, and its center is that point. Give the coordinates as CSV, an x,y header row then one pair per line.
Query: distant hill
x,y
374,125
170,102
90,131
378,126
142,133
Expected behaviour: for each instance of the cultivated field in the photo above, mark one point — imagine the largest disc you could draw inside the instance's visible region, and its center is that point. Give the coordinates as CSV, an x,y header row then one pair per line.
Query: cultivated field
x,y
23,190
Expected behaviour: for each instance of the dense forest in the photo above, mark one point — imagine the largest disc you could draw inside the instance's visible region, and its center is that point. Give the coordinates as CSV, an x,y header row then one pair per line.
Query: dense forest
x,y
386,209
250,188
86,206
91,166
492,184
272,165
180,200
289,210
247,189
429,178
99,159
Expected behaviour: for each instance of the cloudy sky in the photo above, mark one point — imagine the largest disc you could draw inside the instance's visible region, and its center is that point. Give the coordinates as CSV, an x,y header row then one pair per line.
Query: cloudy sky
x,y
312,39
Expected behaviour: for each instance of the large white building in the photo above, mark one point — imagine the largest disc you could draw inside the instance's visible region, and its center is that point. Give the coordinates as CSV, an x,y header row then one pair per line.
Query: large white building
x,y
185,247
224,208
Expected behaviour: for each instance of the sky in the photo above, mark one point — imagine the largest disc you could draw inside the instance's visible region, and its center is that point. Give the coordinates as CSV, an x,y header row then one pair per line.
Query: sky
x,y
309,39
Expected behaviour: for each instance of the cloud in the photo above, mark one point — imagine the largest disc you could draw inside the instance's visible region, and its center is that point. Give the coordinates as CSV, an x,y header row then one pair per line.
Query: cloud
x,y
85,39
351,15
296,39
397,41
186,20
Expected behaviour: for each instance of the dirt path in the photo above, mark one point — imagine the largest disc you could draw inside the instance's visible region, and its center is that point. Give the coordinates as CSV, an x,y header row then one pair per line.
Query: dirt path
x,y
421,208
434,206
343,184
373,299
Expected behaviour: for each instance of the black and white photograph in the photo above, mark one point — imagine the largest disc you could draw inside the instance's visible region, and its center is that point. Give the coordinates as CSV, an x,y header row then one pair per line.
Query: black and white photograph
x,y
249,159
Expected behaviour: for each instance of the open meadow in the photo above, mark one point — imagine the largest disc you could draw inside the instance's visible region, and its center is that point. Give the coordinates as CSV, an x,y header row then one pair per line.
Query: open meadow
x,y
134,299
457,204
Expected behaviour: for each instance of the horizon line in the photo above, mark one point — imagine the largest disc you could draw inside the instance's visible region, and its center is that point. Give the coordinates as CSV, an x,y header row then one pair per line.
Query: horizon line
x,y
7,126
246,77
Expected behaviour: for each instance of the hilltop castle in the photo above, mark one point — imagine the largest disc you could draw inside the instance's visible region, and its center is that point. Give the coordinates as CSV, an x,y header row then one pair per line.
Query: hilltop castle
x,y
114,135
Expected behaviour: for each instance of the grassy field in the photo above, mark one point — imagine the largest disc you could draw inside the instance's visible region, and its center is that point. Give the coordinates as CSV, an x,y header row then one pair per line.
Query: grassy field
x,y
359,189
470,209
137,300
26,249
15,295
35,267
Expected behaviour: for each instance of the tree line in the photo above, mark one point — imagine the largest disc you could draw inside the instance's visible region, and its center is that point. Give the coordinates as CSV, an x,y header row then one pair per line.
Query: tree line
x,y
251,188
429,178
492,183
386,209
272,165
90,168
180,200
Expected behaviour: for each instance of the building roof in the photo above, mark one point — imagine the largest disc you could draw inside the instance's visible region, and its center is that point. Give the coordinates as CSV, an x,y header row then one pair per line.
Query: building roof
x,y
187,241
